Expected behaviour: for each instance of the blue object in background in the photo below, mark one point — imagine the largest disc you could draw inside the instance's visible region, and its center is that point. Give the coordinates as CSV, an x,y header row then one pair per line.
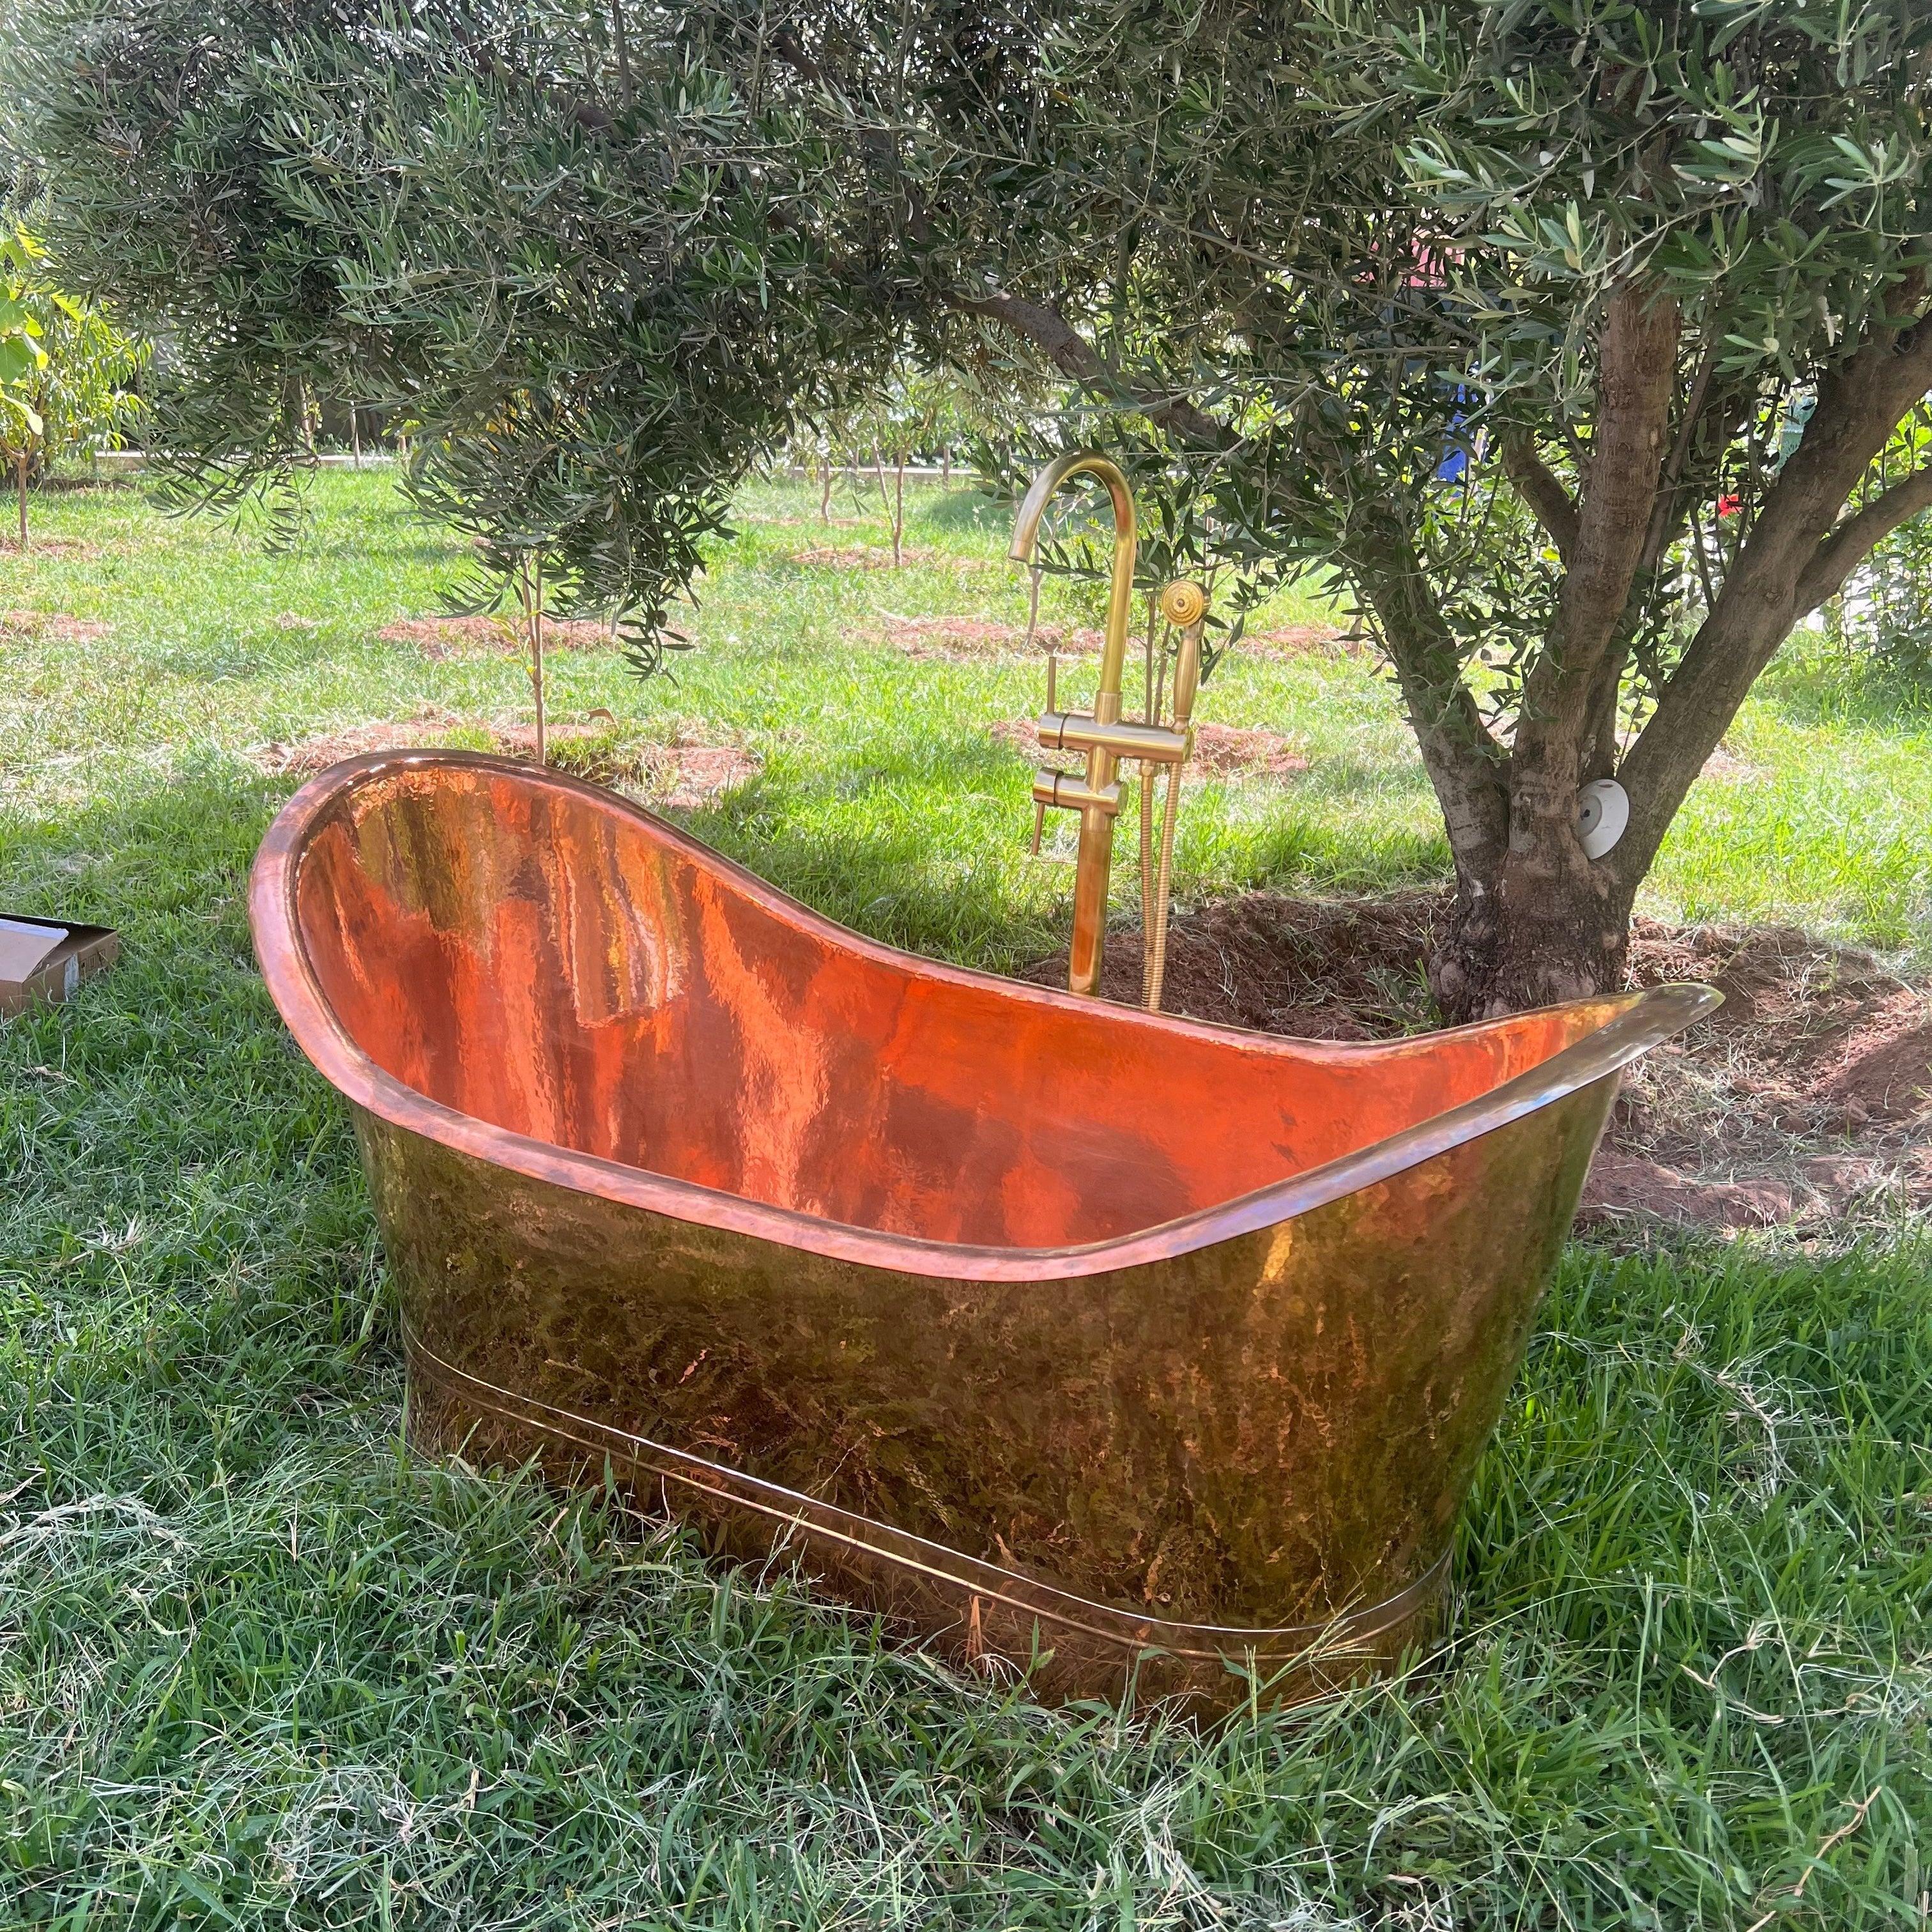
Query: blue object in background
x,y
1454,465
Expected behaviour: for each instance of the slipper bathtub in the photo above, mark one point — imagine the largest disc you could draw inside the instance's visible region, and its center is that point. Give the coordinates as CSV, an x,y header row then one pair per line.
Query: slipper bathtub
x,y
1109,1344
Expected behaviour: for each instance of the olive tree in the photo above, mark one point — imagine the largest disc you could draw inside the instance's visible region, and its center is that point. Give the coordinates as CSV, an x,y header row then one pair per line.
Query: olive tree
x,y
1566,332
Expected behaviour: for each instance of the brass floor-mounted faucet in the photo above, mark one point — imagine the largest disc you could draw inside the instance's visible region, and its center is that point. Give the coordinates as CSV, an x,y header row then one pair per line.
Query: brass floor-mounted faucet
x,y
1103,735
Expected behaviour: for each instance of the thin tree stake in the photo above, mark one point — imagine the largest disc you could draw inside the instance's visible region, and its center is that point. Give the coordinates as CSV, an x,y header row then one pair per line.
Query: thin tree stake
x,y
529,588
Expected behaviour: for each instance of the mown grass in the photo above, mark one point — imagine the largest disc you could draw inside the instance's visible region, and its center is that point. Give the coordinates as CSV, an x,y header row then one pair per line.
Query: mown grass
x,y
259,1665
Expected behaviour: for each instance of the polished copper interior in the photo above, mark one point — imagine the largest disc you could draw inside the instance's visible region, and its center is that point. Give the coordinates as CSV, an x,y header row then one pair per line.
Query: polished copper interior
x,y
1026,1312
505,949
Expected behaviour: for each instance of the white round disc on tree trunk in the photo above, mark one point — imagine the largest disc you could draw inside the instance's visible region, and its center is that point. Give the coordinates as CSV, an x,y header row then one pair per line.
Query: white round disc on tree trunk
x,y
1602,811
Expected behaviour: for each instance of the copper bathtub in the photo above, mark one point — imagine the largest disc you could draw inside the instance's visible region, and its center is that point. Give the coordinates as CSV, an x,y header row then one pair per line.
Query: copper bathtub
x,y
1108,1343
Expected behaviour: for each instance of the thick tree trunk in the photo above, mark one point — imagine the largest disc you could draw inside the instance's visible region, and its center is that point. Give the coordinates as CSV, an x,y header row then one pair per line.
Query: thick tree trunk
x,y
1550,925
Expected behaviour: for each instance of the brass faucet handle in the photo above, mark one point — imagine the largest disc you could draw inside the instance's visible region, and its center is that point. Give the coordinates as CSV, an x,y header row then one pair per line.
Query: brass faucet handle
x,y
1071,792
1183,604
1039,825
1081,731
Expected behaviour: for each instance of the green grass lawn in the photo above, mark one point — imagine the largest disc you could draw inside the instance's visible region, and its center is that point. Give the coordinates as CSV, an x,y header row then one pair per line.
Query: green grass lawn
x,y
259,1666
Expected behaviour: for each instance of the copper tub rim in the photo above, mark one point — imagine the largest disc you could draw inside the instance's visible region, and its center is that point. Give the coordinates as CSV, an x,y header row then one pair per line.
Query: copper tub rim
x,y
1640,1022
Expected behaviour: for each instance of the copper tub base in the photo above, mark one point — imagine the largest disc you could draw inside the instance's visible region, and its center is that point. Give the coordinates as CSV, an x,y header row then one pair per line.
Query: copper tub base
x,y
1095,1345
976,1614
979,1615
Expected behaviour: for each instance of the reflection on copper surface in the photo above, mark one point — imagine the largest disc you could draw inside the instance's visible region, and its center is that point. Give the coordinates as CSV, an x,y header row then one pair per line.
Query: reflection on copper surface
x,y
1042,1323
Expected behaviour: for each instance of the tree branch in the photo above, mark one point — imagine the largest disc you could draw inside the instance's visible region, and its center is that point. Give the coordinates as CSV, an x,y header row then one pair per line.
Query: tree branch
x,y
1633,386
1563,694
1797,548
1074,357
1465,765
1540,486
623,40
1664,516
1846,546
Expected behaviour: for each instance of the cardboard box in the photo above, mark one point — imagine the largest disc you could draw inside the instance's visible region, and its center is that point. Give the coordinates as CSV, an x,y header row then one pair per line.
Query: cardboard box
x,y
43,959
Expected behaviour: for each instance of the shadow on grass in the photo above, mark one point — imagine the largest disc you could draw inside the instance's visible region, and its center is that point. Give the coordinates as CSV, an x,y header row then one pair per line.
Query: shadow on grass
x,y
957,509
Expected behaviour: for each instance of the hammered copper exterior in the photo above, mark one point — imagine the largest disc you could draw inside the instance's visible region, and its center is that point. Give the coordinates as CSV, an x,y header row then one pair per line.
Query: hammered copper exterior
x,y
1043,1324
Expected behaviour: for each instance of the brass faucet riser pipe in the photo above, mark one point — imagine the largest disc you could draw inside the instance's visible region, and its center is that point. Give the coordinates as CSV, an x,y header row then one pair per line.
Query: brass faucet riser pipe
x,y
1095,863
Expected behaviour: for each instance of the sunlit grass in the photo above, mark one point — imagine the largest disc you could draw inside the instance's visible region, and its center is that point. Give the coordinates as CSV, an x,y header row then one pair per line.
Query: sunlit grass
x,y
259,1666
874,762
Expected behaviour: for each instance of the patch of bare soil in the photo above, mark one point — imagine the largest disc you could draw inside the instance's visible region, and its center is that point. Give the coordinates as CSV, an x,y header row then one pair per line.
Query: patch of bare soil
x,y
965,637
77,547
1315,969
303,758
1804,1102
694,769
1287,642
687,775
1727,768
55,626
956,638
691,771
879,557
1810,1087
491,635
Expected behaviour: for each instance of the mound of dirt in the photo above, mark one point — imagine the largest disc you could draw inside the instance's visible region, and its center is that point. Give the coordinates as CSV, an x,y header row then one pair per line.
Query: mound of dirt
x,y
689,775
1726,769
55,626
1314,969
492,635
1623,1185
1815,1076
1805,1100
961,638
692,771
957,637
74,547
1819,1038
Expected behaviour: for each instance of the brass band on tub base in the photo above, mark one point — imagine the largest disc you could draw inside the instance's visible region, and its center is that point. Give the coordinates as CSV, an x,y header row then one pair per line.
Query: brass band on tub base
x,y
1060,1639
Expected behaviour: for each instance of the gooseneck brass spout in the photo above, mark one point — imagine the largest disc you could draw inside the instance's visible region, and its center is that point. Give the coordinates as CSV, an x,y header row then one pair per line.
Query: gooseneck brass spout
x,y
1101,733
1097,797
